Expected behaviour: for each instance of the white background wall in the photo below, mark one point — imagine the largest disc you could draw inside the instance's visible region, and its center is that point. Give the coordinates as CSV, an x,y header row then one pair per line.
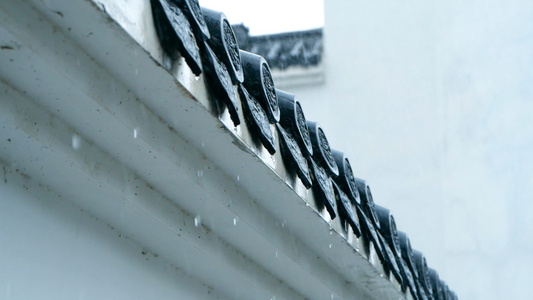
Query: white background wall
x,y
432,101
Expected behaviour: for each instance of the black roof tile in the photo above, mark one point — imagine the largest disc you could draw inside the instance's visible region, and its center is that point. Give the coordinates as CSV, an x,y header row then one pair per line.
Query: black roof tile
x,y
283,50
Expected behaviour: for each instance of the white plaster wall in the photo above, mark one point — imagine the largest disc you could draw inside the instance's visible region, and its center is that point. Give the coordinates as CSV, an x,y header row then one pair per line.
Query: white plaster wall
x,y
432,101
52,249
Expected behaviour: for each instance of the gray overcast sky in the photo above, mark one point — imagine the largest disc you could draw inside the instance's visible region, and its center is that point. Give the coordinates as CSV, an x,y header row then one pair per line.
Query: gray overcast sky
x,y
263,17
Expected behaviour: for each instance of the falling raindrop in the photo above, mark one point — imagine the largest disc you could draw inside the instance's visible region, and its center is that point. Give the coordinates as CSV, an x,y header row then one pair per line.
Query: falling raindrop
x,y
238,177
76,142
235,221
332,295
276,253
330,246
200,173
135,133
203,144
136,71
197,221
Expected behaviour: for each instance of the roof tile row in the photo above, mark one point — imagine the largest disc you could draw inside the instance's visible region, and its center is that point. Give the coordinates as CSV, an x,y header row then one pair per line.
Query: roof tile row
x,y
209,44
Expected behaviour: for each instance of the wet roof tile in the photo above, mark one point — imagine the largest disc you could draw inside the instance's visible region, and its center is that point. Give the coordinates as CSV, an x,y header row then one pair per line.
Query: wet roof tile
x,y
283,50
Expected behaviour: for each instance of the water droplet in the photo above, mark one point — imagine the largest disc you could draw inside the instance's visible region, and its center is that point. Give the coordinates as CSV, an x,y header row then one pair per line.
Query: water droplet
x,y
235,221
276,253
273,298
76,142
197,221
196,78
238,177
200,173
330,246
203,144
135,133
283,224
332,295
